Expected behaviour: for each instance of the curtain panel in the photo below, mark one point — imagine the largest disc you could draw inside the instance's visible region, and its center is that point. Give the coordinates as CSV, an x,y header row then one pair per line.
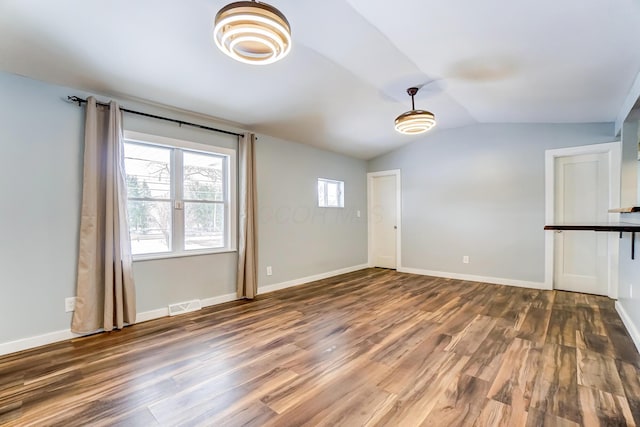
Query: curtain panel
x,y
247,277
105,287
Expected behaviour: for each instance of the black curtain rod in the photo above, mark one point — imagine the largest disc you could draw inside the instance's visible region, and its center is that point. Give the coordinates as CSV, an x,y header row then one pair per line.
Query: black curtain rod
x,y
81,101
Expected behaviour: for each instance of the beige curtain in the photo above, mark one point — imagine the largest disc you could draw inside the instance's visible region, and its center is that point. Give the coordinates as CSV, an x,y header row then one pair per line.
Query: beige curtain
x,y
105,289
247,278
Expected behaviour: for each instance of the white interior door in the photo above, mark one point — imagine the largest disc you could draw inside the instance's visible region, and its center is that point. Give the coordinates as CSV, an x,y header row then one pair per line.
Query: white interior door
x,y
581,197
384,221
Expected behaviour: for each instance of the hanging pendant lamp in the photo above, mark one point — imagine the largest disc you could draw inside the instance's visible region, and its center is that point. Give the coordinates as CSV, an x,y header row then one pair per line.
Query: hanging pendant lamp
x,y
415,121
252,32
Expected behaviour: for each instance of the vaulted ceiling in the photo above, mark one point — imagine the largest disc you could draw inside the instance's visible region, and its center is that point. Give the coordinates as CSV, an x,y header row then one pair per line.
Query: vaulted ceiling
x,y
345,80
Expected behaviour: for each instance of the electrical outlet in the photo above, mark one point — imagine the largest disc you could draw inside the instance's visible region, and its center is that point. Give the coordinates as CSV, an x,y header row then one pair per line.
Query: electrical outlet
x,y
465,259
269,270
69,304
358,213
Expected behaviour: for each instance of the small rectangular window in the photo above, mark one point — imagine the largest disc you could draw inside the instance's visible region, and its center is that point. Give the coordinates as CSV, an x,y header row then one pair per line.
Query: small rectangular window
x,y
330,193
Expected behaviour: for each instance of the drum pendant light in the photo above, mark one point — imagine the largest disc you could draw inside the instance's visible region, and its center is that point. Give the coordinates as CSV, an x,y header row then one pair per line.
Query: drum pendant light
x,y
252,32
415,121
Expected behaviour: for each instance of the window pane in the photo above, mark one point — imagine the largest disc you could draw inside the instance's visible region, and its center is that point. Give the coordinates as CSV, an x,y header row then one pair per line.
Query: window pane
x,y
148,171
149,226
203,225
321,198
203,177
332,194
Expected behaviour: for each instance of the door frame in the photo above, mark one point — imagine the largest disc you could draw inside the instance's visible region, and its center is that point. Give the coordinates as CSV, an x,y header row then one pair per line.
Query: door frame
x,y
614,154
370,177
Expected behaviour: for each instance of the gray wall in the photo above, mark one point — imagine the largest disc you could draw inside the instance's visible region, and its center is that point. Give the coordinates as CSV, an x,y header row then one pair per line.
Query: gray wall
x,y
479,191
40,192
40,187
297,238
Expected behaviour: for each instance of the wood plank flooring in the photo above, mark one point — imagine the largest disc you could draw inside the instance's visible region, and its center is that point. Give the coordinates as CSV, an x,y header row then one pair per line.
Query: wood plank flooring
x,y
370,348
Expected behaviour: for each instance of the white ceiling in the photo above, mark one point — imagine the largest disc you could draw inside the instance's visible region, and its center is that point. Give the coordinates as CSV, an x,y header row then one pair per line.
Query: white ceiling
x,y
345,80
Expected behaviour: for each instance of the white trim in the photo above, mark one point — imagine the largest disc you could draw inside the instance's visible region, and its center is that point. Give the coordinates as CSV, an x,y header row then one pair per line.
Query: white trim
x,y
614,152
474,278
36,341
308,279
168,255
628,104
370,176
628,323
147,138
145,316
221,299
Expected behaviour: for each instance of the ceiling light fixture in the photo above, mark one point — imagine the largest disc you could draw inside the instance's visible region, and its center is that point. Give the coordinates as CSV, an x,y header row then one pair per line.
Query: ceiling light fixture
x,y
252,32
415,121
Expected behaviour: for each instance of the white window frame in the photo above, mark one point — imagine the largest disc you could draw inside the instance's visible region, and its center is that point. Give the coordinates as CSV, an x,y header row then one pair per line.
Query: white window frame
x,y
325,182
230,200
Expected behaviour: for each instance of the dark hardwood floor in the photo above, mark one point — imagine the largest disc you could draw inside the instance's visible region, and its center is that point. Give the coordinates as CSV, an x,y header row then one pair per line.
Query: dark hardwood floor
x,y
374,347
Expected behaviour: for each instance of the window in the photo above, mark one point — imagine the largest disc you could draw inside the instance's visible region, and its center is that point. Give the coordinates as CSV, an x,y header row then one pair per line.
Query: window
x,y
181,196
330,193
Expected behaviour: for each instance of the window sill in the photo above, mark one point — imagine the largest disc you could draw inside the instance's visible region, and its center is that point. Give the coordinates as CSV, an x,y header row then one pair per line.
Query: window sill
x,y
155,257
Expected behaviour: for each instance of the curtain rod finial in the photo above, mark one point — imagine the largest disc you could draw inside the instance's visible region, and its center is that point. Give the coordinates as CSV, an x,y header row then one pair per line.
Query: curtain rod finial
x,y
75,99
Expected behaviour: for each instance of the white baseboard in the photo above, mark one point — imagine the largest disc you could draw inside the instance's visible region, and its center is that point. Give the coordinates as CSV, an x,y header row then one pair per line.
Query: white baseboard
x,y
474,278
308,279
145,316
628,323
208,302
37,341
